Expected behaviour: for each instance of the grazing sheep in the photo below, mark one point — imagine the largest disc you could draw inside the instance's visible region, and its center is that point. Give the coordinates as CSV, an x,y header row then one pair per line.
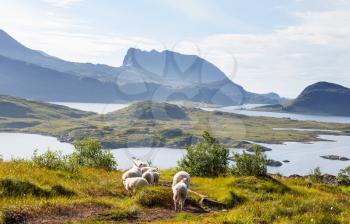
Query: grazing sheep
x,y
149,177
180,193
181,175
135,171
148,168
156,177
131,184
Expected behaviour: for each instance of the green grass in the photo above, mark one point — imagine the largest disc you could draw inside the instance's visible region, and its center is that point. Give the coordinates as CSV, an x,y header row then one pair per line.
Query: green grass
x,y
28,191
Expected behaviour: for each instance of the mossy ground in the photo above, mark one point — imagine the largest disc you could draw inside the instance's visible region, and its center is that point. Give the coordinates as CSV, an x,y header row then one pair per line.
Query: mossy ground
x,y
33,194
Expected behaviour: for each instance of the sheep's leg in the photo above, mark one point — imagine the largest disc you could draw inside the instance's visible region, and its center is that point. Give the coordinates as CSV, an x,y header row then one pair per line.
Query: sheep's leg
x,y
175,204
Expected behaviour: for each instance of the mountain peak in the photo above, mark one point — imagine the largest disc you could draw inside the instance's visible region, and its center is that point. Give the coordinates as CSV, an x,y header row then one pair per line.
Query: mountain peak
x,y
323,98
326,85
173,66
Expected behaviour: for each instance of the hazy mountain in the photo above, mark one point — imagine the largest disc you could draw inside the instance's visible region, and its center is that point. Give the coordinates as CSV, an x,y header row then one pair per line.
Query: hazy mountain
x,y
18,78
11,48
144,75
172,68
190,78
322,98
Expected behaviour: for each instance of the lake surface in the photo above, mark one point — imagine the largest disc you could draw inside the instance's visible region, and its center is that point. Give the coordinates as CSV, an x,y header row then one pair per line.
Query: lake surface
x,y
100,108
301,117
303,157
20,145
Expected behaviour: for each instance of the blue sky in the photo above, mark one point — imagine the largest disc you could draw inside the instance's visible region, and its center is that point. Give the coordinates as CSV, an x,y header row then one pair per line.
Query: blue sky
x,y
264,45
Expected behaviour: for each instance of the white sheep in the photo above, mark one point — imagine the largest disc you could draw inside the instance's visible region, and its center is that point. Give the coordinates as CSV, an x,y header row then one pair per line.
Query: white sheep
x,y
180,193
156,177
135,171
138,163
149,177
131,184
148,168
181,175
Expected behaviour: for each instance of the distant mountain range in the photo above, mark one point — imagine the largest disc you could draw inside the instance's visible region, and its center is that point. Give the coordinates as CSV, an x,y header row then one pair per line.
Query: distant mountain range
x,y
321,98
144,75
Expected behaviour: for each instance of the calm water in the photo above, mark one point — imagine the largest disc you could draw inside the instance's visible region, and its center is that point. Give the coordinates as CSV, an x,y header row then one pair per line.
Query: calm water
x,y
303,157
301,117
19,145
100,108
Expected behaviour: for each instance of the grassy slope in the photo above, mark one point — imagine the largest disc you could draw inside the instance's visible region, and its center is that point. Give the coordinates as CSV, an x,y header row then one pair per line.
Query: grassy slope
x,y
174,127
98,197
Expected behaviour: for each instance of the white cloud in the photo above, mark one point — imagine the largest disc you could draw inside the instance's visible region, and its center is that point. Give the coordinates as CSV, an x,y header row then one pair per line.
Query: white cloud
x,y
62,3
287,59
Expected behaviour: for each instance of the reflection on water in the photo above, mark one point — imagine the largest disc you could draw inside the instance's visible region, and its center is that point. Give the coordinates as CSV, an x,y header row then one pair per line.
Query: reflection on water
x,y
302,157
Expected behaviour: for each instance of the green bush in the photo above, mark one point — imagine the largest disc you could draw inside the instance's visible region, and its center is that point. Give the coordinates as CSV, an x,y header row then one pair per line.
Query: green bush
x,y
250,164
89,153
207,158
316,175
50,159
343,176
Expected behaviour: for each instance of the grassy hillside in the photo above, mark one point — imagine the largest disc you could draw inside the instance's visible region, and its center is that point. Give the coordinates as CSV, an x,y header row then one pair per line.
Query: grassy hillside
x,y
17,114
153,124
14,107
35,195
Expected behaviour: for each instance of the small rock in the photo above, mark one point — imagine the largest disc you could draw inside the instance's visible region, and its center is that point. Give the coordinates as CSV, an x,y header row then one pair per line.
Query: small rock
x,y
335,157
274,163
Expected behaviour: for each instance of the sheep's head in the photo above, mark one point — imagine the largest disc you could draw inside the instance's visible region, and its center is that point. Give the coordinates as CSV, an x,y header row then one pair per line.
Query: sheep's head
x,y
138,163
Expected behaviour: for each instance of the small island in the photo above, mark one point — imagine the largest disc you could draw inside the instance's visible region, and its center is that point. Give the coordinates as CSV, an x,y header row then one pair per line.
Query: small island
x,y
335,157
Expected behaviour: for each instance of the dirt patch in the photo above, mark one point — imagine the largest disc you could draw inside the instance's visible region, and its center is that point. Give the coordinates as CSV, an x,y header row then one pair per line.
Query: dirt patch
x,y
63,214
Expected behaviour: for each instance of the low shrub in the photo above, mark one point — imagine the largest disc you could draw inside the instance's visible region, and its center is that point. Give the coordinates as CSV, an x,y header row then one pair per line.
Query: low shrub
x,y
89,153
207,158
250,164
51,160
316,175
343,176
